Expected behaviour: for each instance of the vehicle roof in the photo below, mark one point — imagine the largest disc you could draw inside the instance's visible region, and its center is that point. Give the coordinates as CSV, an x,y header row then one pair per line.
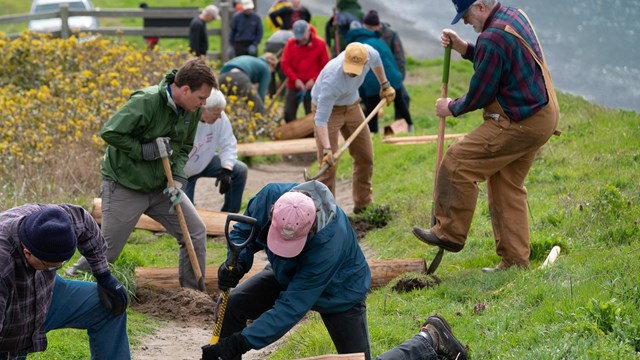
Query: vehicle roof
x,y
44,2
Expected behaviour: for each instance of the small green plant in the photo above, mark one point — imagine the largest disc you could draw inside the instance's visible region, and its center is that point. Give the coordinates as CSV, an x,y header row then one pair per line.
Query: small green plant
x,y
376,215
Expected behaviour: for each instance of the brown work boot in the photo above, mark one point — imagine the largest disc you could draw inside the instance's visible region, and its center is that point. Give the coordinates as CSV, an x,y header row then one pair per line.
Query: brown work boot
x,y
428,237
442,339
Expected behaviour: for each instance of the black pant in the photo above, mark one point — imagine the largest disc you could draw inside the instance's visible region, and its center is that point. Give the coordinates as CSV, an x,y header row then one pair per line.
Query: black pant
x,y
244,87
370,103
242,48
348,330
291,104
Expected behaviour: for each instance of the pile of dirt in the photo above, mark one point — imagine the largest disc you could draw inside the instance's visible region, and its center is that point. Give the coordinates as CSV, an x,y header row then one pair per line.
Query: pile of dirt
x,y
411,282
180,305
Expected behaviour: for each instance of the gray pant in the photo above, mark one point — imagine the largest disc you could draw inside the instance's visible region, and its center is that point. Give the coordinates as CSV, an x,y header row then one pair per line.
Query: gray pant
x,y
121,210
415,348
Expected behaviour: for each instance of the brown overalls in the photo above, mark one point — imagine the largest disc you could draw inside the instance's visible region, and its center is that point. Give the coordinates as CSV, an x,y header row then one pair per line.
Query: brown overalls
x,y
501,152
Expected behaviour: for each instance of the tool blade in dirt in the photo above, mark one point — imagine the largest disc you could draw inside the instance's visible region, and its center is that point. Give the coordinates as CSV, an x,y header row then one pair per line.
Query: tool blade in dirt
x,y
436,262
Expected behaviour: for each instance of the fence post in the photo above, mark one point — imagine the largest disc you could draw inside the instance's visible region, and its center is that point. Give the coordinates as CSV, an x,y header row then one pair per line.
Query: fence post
x,y
225,26
64,18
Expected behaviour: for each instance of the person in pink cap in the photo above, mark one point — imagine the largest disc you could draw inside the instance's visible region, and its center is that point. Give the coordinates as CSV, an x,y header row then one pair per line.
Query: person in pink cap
x,y
315,263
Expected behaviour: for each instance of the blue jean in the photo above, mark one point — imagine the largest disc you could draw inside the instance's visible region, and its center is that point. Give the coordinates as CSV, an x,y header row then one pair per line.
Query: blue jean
x,y
76,305
416,348
348,330
233,197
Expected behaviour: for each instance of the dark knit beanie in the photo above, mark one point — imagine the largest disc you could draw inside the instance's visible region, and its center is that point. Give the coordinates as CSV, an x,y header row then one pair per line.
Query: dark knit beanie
x,y
49,235
372,18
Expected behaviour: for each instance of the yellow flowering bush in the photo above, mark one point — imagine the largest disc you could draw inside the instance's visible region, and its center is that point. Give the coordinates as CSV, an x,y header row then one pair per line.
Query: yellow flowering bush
x,y
247,124
55,95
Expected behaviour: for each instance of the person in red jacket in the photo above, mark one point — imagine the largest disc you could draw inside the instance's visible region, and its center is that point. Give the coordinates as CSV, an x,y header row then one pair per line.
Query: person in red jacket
x,y
303,57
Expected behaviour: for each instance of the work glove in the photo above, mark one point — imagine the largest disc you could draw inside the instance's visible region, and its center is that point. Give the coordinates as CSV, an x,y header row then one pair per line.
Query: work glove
x,y
224,181
387,92
252,49
112,293
229,278
174,193
153,151
327,158
228,348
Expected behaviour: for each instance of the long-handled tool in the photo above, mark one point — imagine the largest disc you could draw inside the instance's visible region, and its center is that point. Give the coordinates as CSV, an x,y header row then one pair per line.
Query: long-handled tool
x,y
183,224
275,96
348,142
232,260
439,153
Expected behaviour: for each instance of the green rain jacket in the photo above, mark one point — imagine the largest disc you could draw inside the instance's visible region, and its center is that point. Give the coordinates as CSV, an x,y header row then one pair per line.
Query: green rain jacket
x,y
147,115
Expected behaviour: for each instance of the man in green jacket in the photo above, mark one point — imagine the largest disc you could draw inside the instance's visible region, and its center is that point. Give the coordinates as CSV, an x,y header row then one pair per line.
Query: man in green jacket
x,y
134,180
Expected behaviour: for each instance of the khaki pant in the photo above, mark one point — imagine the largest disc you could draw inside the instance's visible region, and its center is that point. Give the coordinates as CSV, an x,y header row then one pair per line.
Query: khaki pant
x,y
500,152
121,210
346,119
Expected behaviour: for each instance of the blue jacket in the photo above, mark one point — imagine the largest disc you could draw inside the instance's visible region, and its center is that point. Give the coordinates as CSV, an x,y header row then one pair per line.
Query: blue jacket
x,y
371,86
330,275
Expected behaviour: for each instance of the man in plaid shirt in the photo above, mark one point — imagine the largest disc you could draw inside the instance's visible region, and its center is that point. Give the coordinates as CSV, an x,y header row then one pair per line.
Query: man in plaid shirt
x,y
513,86
35,241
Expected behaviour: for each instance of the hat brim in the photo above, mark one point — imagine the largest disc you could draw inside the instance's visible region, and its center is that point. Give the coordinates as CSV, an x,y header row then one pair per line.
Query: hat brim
x,y
285,248
352,68
459,16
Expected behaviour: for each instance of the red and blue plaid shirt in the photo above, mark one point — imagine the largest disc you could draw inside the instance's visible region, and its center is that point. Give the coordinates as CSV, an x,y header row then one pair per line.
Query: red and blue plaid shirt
x,y
25,293
504,68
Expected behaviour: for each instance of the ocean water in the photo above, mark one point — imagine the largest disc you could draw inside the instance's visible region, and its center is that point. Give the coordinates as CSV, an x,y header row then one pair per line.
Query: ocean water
x,y
592,46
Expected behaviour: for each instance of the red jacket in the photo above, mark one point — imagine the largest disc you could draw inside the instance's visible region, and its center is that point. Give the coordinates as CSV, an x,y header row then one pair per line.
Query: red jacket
x,y
304,62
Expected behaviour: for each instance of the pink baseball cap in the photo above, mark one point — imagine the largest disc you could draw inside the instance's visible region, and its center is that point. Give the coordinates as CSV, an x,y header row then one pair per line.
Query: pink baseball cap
x,y
293,216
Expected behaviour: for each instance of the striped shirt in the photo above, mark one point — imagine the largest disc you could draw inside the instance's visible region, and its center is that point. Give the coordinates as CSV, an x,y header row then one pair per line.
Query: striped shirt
x,y
25,293
504,68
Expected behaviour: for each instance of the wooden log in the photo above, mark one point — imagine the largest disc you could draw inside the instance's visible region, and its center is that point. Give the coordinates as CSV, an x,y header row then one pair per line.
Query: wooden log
x,y
214,220
297,129
382,272
281,147
397,127
409,140
357,356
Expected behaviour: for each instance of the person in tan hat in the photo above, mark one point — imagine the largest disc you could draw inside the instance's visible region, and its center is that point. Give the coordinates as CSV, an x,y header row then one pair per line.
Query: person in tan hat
x,y
315,263
336,105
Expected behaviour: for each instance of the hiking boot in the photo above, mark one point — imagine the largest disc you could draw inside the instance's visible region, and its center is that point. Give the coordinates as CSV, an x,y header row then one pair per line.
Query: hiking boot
x,y
442,339
428,237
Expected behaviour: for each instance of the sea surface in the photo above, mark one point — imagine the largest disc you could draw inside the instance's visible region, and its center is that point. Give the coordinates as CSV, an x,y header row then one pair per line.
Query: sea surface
x,y
592,46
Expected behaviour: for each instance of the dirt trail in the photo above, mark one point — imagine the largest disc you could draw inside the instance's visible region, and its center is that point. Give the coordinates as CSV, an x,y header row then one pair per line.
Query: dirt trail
x,y
189,313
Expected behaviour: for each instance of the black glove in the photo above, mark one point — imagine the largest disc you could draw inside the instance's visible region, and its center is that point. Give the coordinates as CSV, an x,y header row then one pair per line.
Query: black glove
x,y
224,181
229,278
227,348
112,293
151,150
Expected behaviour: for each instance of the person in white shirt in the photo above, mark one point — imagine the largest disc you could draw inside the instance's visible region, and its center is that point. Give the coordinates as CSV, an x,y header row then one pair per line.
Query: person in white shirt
x,y
336,106
215,154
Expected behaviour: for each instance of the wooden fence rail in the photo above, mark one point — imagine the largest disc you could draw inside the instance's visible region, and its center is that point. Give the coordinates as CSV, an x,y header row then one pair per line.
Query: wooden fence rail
x,y
64,13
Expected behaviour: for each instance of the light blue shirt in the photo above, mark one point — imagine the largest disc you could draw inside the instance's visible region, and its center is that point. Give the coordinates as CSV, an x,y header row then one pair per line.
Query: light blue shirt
x,y
334,88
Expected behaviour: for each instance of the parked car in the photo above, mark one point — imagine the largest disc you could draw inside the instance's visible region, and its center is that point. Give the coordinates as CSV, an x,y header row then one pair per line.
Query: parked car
x,y
83,23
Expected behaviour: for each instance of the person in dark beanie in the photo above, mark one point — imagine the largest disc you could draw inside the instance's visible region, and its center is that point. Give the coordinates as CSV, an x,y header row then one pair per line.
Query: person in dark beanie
x,y
35,241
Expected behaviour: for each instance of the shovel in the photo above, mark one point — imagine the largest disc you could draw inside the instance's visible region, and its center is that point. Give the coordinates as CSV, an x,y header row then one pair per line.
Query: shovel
x,y
440,149
348,142
183,224
232,260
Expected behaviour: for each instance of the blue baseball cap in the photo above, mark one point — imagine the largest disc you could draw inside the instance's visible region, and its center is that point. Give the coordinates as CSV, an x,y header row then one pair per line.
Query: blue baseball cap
x,y
461,7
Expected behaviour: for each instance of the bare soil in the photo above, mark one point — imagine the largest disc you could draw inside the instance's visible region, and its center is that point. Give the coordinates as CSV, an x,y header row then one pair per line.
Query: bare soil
x,y
189,313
